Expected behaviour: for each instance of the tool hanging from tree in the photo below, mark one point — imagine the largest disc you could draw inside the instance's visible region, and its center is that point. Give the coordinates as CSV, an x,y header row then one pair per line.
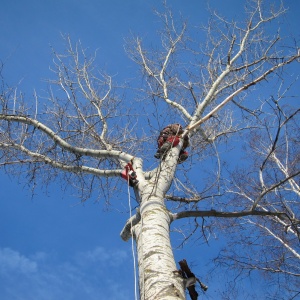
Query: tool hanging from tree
x,y
129,175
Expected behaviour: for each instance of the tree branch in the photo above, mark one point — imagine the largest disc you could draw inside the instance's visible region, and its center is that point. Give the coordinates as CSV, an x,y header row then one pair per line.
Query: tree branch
x,y
63,144
243,88
40,158
126,232
273,187
219,214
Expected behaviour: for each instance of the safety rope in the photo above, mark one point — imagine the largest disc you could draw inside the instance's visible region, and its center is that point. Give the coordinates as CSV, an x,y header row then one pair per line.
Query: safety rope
x,y
141,246
132,242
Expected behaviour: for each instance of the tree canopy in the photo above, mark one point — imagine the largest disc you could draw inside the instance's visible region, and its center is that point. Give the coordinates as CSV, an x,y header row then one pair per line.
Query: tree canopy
x,y
231,84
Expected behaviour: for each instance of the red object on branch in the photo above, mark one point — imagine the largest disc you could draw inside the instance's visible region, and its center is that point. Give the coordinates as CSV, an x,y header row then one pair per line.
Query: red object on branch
x,y
129,175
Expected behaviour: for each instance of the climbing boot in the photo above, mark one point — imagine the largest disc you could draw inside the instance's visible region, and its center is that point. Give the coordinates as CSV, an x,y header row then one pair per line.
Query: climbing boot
x,y
162,151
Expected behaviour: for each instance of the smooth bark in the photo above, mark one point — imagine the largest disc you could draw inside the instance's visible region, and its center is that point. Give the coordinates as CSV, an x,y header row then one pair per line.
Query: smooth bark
x,y
157,268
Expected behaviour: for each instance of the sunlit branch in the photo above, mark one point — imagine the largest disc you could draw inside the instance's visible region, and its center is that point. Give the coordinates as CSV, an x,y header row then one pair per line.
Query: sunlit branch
x,y
281,219
281,241
230,62
84,77
145,65
245,87
295,187
160,77
273,187
126,232
40,158
59,141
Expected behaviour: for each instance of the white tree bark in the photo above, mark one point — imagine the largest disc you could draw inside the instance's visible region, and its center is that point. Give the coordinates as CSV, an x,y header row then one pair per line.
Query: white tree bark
x,y
157,268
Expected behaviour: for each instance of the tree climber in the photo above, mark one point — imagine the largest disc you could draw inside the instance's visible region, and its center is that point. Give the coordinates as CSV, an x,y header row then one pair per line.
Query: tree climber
x,y
169,137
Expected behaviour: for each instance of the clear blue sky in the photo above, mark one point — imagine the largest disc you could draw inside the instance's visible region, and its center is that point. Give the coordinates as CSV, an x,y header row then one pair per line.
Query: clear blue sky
x,y
50,247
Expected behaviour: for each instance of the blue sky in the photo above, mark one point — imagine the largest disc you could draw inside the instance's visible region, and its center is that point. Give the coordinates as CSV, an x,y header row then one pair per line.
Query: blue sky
x,y
52,247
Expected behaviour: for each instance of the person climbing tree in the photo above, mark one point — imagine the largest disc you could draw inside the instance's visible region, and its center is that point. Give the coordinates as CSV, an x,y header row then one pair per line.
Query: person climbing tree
x,y
169,137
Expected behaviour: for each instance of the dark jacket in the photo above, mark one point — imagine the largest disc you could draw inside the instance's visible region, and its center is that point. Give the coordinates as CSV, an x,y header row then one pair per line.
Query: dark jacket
x,y
169,131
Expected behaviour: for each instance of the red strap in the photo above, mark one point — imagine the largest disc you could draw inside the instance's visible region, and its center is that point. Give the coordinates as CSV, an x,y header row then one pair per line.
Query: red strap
x,y
174,140
124,174
127,168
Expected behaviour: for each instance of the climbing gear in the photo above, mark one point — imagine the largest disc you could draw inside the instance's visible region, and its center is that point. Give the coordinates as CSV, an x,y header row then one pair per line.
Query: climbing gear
x,y
183,155
129,175
165,144
163,149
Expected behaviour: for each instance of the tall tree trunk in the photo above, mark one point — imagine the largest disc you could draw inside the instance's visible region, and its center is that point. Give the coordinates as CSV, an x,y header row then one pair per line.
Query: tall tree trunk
x,y
157,268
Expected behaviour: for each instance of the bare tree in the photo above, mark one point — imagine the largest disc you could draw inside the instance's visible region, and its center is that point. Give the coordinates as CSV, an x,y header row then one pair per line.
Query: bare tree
x,y
86,133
